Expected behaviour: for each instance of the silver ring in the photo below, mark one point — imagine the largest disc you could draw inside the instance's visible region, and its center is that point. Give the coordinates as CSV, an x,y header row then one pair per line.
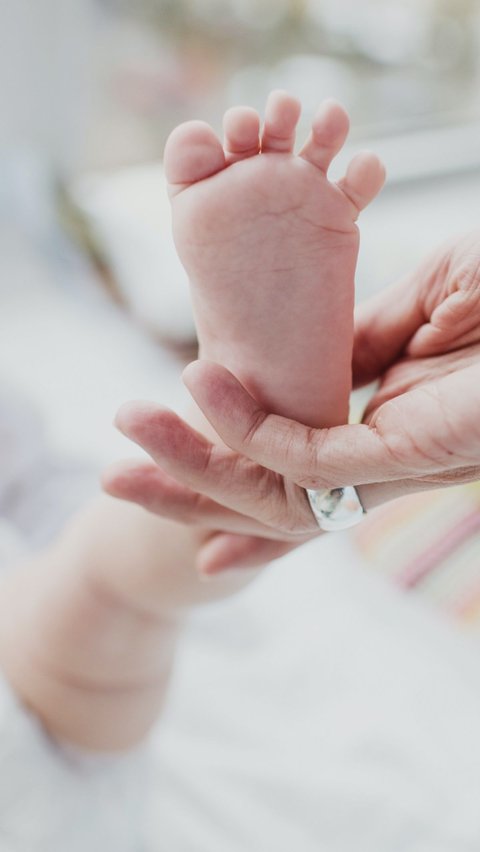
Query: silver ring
x,y
338,509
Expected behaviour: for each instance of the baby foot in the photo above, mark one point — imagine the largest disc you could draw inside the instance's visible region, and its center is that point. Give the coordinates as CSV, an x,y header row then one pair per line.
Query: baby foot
x,y
270,246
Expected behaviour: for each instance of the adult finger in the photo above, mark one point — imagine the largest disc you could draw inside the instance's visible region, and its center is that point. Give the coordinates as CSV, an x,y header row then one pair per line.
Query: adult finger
x,y
410,436
216,472
226,551
147,485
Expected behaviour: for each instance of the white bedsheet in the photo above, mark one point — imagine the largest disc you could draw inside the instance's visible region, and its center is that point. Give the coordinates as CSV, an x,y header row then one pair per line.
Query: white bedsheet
x,y
62,801
321,710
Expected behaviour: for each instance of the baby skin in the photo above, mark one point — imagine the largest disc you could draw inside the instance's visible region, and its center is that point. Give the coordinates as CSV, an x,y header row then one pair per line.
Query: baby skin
x,y
270,247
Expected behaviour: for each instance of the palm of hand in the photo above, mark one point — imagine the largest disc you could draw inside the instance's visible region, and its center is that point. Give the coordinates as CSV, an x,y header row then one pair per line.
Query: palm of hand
x,y
425,399
449,299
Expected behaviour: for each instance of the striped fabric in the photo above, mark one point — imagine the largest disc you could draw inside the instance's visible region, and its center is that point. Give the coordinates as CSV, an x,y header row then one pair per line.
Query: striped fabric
x,y
429,544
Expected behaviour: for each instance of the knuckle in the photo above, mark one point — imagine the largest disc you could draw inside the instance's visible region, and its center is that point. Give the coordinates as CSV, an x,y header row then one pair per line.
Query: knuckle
x,y
317,472
256,421
206,461
311,474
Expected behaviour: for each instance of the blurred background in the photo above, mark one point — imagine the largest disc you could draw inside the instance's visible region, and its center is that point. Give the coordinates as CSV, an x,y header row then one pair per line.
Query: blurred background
x,y
99,83
95,86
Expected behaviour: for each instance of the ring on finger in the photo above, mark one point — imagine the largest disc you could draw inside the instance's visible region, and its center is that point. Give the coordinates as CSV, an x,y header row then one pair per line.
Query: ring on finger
x,y
337,509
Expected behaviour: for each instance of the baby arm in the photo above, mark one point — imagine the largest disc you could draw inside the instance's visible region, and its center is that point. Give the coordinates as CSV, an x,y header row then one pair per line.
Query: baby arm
x,y
88,627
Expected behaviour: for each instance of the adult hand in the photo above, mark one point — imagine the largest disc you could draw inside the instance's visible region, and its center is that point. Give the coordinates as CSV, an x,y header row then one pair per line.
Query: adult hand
x,y
433,311
421,430
196,482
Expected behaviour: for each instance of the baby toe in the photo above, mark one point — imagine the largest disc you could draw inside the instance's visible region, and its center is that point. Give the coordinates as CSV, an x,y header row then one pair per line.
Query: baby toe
x,y
329,131
281,118
241,127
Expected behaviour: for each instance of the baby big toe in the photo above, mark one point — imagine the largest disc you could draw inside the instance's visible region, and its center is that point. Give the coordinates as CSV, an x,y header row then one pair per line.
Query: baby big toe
x,y
192,153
